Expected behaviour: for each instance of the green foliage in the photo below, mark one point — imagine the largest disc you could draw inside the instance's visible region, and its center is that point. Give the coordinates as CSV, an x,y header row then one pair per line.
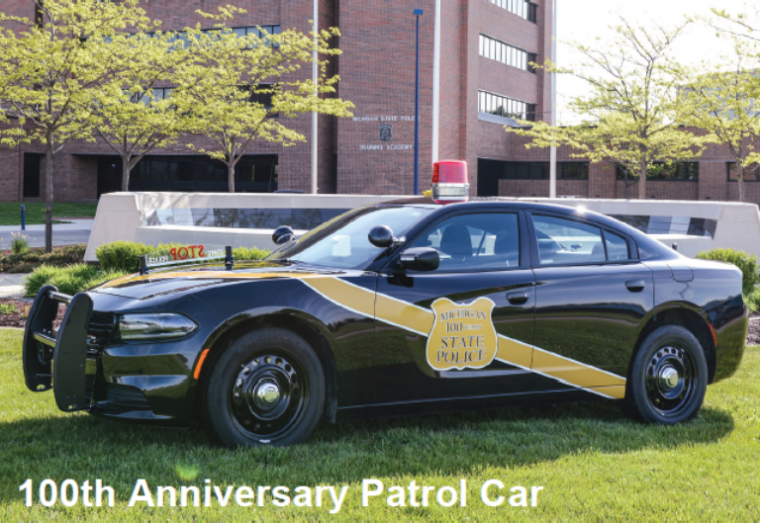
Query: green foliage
x,y
254,253
225,89
19,244
747,263
124,256
28,261
121,256
10,212
8,308
633,105
69,280
595,463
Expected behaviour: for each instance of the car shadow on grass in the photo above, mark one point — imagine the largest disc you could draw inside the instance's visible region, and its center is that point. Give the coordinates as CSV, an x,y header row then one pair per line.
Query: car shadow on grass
x,y
84,447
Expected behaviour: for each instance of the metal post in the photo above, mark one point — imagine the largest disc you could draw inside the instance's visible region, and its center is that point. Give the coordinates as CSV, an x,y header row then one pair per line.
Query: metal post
x,y
436,78
314,116
143,264
417,14
229,260
23,217
553,149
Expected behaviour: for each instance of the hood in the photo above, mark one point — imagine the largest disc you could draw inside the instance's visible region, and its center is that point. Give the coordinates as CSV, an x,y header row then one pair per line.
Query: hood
x,y
183,279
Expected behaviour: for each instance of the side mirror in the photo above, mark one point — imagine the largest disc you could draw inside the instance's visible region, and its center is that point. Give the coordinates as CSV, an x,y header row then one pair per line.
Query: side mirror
x,y
282,234
381,236
420,259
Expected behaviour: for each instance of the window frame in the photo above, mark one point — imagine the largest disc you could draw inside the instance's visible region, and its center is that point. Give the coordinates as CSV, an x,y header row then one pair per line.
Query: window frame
x,y
394,266
734,180
536,259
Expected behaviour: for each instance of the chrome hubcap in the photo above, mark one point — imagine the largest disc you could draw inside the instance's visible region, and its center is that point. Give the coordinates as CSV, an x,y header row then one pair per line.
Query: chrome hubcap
x,y
669,378
266,394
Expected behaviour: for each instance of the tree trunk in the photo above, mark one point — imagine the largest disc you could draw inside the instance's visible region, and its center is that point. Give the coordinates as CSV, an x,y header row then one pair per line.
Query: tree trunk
x,y
740,180
231,177
643,181
49,195
125,170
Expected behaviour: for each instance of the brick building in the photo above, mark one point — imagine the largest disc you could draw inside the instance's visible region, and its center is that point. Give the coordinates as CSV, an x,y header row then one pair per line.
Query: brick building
x,y
483,79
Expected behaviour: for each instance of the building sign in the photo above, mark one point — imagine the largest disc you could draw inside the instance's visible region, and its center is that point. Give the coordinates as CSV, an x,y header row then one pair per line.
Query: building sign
x,y
385,133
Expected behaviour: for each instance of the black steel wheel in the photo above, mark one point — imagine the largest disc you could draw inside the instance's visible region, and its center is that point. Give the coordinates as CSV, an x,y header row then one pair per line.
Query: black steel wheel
x,y
668,378
267,388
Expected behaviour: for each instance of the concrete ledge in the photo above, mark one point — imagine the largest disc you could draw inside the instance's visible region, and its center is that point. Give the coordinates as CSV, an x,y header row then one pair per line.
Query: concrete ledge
x,y
120,215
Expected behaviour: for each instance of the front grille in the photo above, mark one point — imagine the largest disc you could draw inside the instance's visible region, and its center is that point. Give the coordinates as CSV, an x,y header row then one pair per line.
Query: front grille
x,y
126,397
101,328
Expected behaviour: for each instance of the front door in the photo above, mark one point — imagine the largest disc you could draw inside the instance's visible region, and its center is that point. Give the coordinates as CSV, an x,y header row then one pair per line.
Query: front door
x,y
464,330
592,294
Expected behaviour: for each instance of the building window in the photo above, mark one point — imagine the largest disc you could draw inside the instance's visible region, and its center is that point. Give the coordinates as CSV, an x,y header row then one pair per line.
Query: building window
x,y
506,54
751,173
522,8
572,170
664,171
32,175
490,103
240,31
253,173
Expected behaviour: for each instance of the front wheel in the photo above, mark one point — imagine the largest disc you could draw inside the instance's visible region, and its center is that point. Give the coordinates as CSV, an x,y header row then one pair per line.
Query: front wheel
x,y
267,388
668,378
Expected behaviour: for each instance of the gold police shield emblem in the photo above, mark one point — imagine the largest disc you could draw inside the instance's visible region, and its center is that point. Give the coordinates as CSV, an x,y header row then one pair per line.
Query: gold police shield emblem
x,y
463,335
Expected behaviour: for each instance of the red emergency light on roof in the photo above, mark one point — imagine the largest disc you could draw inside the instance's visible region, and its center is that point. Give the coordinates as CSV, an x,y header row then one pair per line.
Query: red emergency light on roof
x,y
450,181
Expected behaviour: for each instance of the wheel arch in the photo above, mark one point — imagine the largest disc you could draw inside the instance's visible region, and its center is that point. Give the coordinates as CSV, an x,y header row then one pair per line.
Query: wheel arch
x,y
301,325
678,314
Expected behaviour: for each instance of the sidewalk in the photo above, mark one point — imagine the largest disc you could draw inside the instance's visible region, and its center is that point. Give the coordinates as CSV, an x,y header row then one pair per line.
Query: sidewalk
x,y
78,231
11,285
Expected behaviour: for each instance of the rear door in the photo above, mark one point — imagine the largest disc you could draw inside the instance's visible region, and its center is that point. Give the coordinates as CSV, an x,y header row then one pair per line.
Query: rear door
x,y
442,335
592,295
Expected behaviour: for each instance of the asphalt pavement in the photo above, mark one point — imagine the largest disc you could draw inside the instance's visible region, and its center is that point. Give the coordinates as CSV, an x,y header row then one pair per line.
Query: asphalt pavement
x,y
77,231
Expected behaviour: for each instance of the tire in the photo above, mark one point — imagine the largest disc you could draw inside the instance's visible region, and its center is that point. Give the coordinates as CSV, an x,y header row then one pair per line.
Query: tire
x,y
267,388
668,378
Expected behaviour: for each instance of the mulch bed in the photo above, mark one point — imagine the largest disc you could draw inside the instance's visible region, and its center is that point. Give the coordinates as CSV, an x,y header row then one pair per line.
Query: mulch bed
x,y
18,319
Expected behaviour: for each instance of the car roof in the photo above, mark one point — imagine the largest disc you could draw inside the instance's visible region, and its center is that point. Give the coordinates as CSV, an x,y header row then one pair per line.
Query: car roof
x,y
481,202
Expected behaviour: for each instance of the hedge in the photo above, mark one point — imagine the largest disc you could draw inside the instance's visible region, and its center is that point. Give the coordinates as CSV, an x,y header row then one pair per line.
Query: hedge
x,y
125,256
747,263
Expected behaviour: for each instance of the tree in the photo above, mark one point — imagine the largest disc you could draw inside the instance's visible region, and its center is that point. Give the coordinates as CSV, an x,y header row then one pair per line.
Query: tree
x,y
631,112
239,89
47,69
133,112
725,104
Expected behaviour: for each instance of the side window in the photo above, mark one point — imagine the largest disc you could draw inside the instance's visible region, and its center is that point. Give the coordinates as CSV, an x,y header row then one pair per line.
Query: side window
x,y
562,241
475,241
617,246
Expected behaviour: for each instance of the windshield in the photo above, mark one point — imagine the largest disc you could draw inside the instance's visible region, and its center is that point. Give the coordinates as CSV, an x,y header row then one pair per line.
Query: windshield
x,y
342,242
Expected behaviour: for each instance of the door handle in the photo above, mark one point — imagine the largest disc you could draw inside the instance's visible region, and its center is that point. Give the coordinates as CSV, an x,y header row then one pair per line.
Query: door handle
x,y
517,298
635,285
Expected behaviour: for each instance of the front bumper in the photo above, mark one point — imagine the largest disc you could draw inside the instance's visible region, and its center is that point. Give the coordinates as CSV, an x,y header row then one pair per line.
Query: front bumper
x,y
147,382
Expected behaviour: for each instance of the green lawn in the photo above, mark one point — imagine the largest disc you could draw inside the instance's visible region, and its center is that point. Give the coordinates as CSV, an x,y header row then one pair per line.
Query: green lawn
x,y
10,212
592,462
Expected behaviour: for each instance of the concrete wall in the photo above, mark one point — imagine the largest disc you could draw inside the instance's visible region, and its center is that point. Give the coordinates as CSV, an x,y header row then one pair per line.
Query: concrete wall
x,y
129,216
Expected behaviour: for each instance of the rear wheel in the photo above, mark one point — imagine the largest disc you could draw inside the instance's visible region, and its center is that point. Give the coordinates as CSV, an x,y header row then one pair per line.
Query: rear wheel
x,y
668,378
267,388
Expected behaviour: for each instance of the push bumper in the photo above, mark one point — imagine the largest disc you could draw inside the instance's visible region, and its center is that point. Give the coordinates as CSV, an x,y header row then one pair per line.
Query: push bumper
x,y
151,382
53,359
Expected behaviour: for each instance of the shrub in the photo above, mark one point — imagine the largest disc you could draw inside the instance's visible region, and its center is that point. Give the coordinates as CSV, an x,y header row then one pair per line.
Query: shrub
x,y
18,243
747,263
254,253
69,280
28,261
125,256
121,255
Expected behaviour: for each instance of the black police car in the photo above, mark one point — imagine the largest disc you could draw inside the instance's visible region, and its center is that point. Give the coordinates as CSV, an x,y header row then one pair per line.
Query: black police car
x,y
406,307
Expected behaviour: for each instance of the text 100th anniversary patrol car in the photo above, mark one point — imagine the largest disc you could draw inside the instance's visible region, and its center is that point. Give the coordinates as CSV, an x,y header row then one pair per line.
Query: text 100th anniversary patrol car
x,y
399,308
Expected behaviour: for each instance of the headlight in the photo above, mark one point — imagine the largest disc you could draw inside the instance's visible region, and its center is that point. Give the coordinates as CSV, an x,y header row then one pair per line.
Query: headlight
x,y
158,326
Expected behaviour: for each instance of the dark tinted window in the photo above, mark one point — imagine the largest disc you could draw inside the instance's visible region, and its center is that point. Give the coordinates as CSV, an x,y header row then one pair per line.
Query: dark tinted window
x,y
475,241
617,246
562,241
